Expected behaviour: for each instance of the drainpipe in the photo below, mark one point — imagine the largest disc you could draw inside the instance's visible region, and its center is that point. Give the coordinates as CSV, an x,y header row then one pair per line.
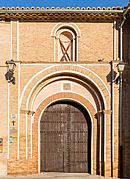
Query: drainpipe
x,y
121,103
112,99
124,18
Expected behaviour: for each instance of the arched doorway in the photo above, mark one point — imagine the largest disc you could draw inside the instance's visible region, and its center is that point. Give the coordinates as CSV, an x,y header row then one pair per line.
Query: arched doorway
x,y
65,130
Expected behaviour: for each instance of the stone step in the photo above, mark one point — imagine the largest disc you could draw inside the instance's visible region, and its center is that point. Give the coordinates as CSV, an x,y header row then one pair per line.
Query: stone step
x,y
58,175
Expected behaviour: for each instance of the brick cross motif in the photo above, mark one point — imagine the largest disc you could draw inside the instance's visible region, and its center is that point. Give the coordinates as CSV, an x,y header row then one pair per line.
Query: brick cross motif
x,y
64,50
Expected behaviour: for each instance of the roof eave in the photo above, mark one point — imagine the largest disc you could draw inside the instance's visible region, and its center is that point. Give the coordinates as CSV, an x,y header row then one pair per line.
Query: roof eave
x,y
63,11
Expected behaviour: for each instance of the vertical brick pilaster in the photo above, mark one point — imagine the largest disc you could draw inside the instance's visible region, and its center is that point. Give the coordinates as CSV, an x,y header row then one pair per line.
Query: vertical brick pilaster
x,y
107,164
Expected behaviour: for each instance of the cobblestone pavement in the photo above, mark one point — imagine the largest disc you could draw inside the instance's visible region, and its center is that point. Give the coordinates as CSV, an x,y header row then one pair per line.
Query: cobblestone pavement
x,y
57,175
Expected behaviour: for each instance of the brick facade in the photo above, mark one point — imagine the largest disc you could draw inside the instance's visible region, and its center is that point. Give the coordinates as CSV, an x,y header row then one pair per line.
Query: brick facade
x,y
39,81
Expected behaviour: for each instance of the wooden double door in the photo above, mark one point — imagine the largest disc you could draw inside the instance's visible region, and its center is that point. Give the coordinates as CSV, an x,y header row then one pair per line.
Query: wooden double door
x,y
64,139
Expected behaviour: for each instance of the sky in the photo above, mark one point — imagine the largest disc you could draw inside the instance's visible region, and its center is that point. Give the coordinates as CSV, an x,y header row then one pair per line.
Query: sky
x,y
63,3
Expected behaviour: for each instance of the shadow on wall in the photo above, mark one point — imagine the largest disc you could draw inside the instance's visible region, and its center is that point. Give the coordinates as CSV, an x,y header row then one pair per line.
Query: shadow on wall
x,y
109,77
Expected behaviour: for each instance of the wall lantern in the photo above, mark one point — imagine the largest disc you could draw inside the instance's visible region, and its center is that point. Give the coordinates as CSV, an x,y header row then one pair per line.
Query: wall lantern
x,y
121,67
10,71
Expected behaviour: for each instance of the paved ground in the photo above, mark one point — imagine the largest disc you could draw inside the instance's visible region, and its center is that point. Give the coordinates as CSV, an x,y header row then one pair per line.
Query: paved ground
x,y
59,176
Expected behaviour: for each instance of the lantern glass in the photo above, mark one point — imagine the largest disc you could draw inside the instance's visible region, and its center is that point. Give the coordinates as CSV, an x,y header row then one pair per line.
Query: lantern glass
x,y
121,67
11,65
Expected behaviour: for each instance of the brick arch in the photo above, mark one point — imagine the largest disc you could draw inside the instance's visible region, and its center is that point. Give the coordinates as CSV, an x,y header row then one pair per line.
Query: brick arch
x,y
36,125
83,73
69,25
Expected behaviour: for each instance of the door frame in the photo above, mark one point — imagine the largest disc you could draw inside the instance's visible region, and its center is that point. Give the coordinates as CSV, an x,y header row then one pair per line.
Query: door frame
x,y
39,144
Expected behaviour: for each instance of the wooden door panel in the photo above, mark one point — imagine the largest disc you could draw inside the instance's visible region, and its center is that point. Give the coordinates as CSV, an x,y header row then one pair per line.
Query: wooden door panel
x,y
54,155
64,136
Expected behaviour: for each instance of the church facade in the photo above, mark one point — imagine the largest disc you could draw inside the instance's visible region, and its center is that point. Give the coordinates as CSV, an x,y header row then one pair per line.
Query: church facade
x,y
65,104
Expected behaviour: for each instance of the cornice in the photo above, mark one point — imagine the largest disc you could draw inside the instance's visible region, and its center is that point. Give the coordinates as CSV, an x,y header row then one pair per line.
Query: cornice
x,y
61,14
